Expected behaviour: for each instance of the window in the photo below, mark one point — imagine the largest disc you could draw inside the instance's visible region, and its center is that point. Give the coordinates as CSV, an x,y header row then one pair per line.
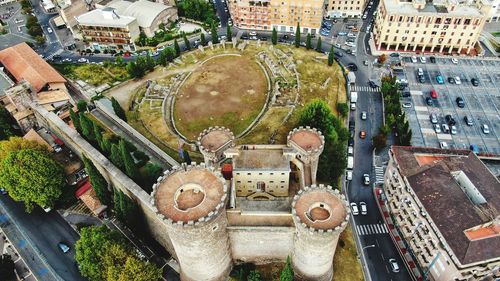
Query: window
x,y
249,174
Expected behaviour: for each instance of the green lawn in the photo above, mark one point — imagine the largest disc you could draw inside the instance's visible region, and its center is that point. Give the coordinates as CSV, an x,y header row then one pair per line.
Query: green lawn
x,y
93,74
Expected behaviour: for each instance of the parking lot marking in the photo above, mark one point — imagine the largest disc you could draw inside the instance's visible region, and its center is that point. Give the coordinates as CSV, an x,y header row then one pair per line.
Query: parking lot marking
x,y
421,108
428,131
444,137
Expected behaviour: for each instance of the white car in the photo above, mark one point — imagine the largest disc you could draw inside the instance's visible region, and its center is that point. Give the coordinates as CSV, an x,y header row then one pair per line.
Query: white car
x,y
363,115
485,129
394,265
49,30
414,59
83,60
443,145
252,33
337,45
350,150
437,128
407,105
349,175
454,60
366,179
365,16
363,208
352,35
453,130
457,80
423,60
354,209
350,44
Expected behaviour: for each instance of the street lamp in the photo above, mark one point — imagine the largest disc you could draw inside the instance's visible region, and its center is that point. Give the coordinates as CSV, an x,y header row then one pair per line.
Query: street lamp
x,y
369,246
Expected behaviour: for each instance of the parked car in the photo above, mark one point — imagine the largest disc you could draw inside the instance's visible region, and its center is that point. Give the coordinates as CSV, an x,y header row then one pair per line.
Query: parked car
x,y
443,145
350,150
475,82
352,67
437,128
394,55
453,130
457,80
83,60
252,33
432,59
414,59
485,128
428,101
372,84
366,179
354,209
468,120
394,265
423,60
363,208
474,148
49,30
434,94
433,118
363,115
460,102
454,60
349,175
407,105
446,128
439,79
450,120
451,80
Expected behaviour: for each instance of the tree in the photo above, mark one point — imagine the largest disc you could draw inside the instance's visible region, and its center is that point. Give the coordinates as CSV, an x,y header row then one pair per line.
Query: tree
x,y
317,114
274,37
382,58
203,40
7,268
331,58
308,41
229,35
98,182
31,176
254,275
379,141
98,136
87,127
150,173
126,209
75,119
40,39
318,45
130,166
177,48
343,109
287,272
6,123
141,41
199,10
150,62
186,42
169,54
162,58
186,157
16,144
82,106
297,36
215,37
119,61
118,109
116,156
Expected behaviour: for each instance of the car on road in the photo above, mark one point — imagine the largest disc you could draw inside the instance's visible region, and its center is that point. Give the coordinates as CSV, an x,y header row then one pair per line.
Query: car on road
x,y
352,67
252,33
433,118
439,79
428,101
338,54
350,150
450,120
460,102
353,106
394,265
432,59
468,120
82,60
454,60
457,80
350,142
443,145
437,128
49,30
350,44
407,105
67,60
352,35
366,179
485,128
363,115
362,134
363,208
414,59
354,209
423,60
451,80
63,247
365,63
349,175
421,78
3,191
394,55
365,16
475,82
453,130
342,34
337,45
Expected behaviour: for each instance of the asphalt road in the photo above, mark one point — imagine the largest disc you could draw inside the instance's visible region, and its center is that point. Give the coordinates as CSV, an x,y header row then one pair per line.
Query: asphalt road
x,y
45,230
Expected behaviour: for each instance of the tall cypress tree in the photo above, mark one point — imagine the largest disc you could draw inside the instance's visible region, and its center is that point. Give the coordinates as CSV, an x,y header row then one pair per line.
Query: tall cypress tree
x,y
87,127
186,42
274,37
177,48
330,57
308,41
229,34
203,39
99,184
215,37
98,135
118,109
76,120
116,157
130,166
125,208
287,272
318,45
297,36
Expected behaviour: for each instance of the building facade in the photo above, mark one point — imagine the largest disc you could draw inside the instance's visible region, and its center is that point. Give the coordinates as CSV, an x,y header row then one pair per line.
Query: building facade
x,y
491,8
106,29
444,26
281,15
446,206
345,8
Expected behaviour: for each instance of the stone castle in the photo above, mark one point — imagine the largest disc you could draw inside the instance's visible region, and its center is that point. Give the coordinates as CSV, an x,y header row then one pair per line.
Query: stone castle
x,y
251,203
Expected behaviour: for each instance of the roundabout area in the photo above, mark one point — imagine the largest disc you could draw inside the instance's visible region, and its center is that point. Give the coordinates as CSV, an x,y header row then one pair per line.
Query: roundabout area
x,y
256,90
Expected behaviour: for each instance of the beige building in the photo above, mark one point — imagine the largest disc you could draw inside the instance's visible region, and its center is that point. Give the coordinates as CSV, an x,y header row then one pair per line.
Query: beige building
x,y
106,29
443,26
345,8
446,206
280,14
491,8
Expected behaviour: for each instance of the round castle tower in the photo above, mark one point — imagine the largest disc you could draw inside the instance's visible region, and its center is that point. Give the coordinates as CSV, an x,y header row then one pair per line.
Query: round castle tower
x,y
212,143
320,215
309,144
191,200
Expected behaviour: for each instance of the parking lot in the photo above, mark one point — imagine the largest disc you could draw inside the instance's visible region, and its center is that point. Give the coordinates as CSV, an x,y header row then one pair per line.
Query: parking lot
x,y
481,102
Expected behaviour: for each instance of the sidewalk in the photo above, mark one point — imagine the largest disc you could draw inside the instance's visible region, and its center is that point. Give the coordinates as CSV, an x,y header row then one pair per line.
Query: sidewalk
x,y
407,258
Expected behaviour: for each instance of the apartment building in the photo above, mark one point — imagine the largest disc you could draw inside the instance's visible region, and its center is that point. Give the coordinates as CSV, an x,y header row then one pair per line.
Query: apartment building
x,y
443,26
491,8
345,8
446,206
283,15
106,29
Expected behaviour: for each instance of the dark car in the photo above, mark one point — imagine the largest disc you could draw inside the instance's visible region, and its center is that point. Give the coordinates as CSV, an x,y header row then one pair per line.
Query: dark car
x,y
263,38
421,79
474,82
450,120
244,37
350,142
56,57
394,55
451,80
338,54
460,102
432,59
405,94
372,84
428,101
352,67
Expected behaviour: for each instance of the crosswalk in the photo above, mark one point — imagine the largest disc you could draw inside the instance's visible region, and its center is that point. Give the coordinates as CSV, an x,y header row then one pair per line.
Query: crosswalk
x,y
358,88
58,52
379,174
367,229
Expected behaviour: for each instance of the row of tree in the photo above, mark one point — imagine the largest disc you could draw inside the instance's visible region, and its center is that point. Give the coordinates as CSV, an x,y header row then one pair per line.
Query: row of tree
x,y
29,174
199,10
333,160
308,45
104,255
120,152
395,118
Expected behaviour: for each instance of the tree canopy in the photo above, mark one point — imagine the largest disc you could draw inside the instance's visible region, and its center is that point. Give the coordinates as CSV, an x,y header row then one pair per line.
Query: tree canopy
x,y
199,10
274,36
31,176
17,143
98,182
6,123
118,109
